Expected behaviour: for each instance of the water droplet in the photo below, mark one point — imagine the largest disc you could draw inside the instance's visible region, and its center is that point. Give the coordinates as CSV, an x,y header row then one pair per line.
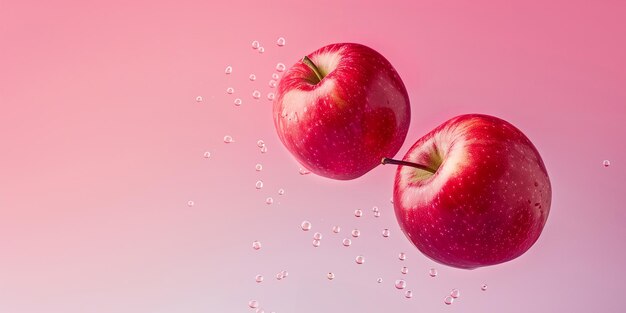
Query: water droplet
x,y
258,167
379,280
404,270
402,256
281,192
207,155
284,273
306,225
356,233
359,259
260,143
228,70
377,214
190,203
606,163
272,83
252,77
256,94
228,139
230,90
280,42
304,171
400,284
279,276
275,76
264,149
258,278
316,243
358,213
261,49
448,300
375,209
269,200
256,245
455,293
408,294
330,276
280,67
237,102
336,229
386,233
259,184
253,304
317,236
271,96
199,99
347,242
432,272
255,44
483,287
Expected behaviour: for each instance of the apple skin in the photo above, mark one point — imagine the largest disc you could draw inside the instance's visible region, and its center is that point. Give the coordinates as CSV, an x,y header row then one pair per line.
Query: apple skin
x,y
341,127
488,201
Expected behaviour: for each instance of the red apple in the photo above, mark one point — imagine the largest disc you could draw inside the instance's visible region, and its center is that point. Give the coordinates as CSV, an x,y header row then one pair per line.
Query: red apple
x,y
341,109
473,192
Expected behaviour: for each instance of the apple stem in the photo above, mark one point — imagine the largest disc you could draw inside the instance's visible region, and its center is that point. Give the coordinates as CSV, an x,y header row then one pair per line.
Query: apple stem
x,y
405,163
313,67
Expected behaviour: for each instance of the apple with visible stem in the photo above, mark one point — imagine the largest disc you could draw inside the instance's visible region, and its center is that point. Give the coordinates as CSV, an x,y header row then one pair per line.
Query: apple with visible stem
x,y
341,109
473,192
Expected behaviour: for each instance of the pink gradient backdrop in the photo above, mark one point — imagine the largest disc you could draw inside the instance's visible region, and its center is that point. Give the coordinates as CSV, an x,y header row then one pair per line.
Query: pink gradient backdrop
x,y
102,143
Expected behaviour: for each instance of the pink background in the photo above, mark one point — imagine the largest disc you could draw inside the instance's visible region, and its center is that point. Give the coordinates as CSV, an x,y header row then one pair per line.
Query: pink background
x,y
102,147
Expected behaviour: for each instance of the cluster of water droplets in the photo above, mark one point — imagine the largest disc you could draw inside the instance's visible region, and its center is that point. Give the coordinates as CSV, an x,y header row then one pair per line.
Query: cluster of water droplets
x,y
454,294
282,274
273,82
238,100
376,211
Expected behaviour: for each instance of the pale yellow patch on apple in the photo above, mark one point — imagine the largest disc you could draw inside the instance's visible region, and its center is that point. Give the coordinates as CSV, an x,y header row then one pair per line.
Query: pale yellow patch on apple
x,y
296,102
328,61
446,151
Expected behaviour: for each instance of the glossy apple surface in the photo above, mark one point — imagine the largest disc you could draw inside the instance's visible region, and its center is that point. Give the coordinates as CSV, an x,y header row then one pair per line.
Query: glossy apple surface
x,y
488,200
342,125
